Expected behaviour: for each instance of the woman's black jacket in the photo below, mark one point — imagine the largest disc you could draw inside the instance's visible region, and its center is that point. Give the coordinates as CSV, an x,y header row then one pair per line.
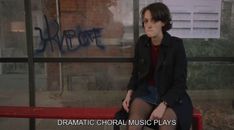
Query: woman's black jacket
x,y
170,75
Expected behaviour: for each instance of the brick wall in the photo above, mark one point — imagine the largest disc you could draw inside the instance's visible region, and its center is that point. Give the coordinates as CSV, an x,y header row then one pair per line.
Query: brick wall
x,y
89,14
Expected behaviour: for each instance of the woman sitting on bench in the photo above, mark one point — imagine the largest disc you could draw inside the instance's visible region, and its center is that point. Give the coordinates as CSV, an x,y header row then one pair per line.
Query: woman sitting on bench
x,y
157,88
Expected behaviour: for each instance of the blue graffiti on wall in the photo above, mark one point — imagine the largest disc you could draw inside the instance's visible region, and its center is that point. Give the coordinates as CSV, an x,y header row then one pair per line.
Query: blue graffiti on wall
x,y
52,36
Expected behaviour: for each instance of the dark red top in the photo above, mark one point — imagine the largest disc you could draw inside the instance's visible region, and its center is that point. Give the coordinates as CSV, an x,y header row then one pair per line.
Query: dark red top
x,y
154,59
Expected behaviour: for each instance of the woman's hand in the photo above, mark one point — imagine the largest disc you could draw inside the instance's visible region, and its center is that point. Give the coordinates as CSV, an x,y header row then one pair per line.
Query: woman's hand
x,y
158,111
126,101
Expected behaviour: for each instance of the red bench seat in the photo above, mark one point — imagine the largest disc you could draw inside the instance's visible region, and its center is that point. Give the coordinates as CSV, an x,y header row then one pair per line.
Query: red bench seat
x,y
73,113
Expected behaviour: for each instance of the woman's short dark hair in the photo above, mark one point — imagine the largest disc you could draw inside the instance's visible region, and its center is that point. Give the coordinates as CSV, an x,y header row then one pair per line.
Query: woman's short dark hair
x,y
159,12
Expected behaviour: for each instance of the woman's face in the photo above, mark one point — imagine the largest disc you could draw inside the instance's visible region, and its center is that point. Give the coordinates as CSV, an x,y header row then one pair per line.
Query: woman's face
x,y
152,28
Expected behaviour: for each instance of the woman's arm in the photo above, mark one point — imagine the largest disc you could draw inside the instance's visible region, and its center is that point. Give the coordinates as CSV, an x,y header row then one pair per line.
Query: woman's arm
x,y
134,77
180,76
127,99
179,84
133,80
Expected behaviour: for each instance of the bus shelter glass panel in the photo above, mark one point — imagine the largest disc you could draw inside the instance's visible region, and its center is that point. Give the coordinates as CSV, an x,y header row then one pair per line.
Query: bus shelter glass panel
x,y
83,28
14,84
82,84
14,92
12,29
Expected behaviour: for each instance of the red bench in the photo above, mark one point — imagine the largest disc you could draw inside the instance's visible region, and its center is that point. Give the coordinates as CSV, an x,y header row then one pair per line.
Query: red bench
x,y
73,113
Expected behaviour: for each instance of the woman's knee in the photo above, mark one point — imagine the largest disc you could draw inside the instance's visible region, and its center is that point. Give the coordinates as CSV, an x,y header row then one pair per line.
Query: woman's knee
x,y
169,120
139,109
